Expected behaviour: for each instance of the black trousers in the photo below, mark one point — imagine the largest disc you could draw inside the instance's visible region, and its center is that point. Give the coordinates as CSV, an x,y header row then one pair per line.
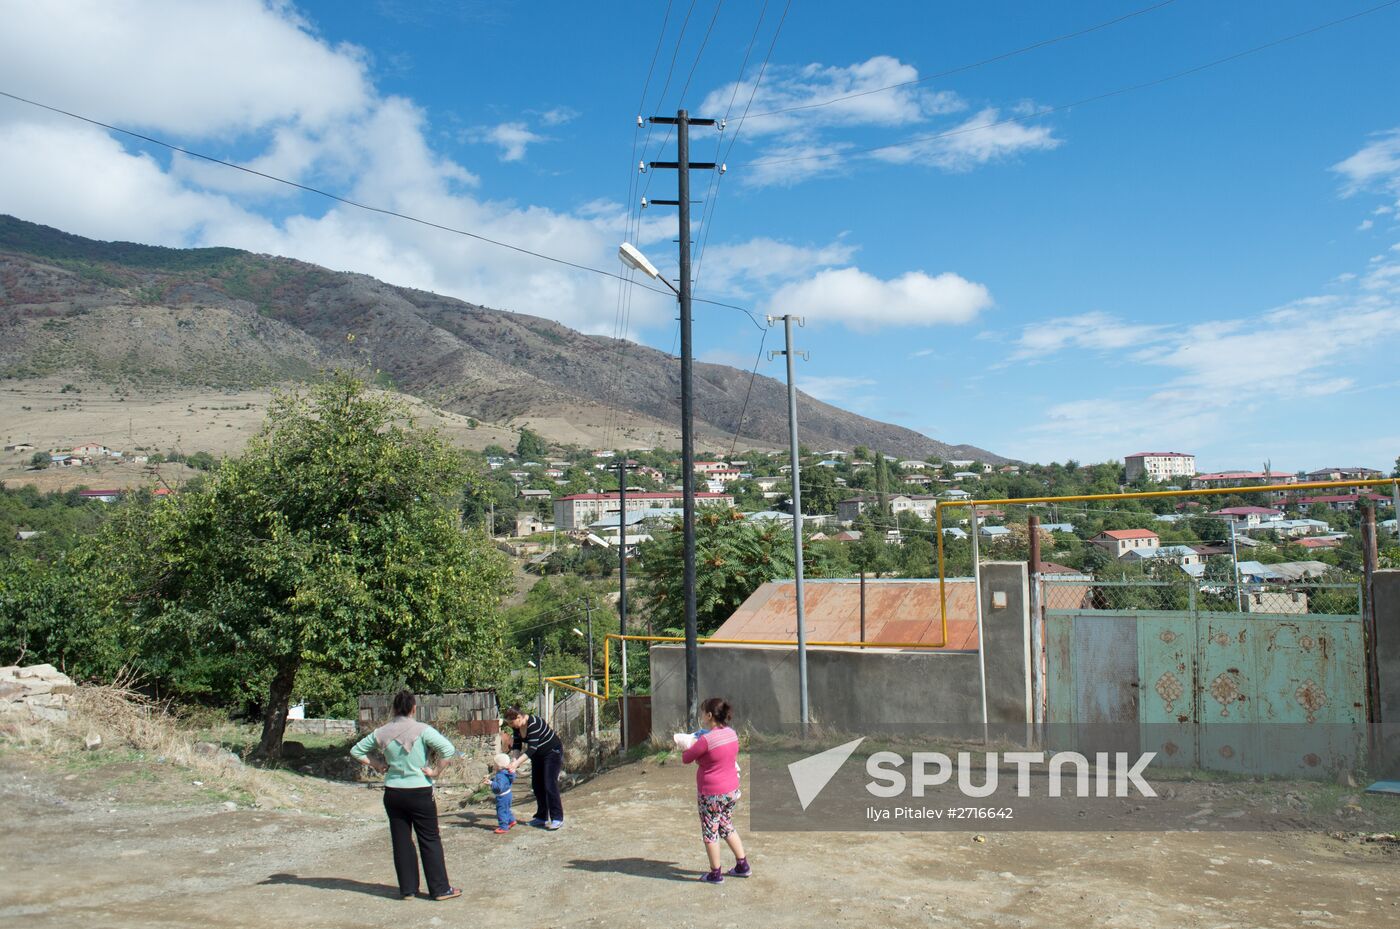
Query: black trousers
x,y
411,809
544,781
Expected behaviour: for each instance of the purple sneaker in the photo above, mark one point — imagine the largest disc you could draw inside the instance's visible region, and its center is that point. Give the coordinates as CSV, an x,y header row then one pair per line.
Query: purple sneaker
x,y
712,877
742,869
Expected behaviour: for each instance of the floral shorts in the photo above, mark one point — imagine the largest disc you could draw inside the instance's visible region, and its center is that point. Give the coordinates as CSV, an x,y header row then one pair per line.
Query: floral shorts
x,y
716,811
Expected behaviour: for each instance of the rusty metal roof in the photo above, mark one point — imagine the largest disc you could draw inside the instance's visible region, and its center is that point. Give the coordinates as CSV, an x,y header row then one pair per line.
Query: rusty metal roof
x,y
896,610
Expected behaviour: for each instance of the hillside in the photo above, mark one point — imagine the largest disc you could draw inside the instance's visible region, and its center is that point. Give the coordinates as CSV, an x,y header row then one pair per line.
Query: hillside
x,y
144,317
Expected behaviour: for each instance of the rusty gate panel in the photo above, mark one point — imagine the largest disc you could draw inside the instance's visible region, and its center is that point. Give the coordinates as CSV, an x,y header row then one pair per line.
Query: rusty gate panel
x,y
1167,656
1244,692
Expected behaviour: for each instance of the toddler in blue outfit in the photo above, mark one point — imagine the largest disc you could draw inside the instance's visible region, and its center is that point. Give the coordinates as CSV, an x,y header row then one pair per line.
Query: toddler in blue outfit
x,y
501,782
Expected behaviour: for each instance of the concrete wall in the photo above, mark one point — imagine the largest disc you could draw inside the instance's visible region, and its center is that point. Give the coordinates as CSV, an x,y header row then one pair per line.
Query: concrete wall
x,y
864,690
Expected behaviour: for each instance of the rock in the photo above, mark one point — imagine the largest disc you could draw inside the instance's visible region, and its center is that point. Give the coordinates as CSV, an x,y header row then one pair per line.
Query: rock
x,y
45,671
1345,779
230,806
230,760
207,748
293,750
979,839
93,742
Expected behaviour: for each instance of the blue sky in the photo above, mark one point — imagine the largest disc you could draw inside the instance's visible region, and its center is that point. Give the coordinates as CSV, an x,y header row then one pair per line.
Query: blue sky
x,y
1209,265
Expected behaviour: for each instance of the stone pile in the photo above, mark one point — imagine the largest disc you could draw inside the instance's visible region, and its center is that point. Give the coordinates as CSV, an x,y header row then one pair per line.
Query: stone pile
x,y
39,691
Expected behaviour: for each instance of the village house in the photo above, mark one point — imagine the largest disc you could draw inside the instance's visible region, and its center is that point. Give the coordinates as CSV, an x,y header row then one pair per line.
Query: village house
x,y
1342,502
529,524
90,450
1343,474
1176,554
1249,517
1158,466
723,475
531,493
994,533
19,447
1318,544
955,493
102,496
1241,479
914,464
577,511
705,467
921,505
1119,542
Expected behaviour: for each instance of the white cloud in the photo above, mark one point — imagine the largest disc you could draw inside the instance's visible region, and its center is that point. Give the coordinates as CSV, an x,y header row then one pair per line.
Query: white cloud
x,y
797,109
1377,162
740,268
863,301
253,78
980,139
512,139
785,87
835,389
209,69
1365,224
1095,331
558,116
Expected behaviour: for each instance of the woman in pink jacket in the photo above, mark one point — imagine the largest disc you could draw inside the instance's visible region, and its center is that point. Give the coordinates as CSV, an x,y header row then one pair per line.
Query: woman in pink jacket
x,y
717,783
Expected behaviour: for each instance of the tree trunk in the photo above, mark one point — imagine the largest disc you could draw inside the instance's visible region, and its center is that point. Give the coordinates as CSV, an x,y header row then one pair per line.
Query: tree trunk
x,y
279,694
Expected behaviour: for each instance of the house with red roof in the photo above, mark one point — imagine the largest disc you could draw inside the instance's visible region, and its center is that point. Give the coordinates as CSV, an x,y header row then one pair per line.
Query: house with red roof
x,y
1119,542
1342,501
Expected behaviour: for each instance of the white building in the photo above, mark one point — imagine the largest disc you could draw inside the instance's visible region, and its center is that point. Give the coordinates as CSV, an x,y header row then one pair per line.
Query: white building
x,y
1159,466
579,510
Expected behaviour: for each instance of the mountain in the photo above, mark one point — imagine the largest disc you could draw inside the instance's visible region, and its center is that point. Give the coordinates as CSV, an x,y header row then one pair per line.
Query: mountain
x,y
130,314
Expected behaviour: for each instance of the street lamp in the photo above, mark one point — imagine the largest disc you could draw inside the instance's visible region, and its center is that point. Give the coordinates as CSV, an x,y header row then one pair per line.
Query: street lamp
x,y
634,259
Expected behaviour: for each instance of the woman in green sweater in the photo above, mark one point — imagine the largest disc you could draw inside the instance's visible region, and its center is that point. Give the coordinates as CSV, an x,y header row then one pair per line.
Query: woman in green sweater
x,y
407,747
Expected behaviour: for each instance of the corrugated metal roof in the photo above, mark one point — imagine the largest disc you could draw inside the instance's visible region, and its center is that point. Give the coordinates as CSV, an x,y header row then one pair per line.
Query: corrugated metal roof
x,y
895,610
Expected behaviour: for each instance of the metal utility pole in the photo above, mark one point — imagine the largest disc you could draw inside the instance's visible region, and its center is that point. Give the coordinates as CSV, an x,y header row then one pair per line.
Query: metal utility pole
x,y
622,593
803,713
1037,628
1235,558
682,121
622,546
589,719
981,637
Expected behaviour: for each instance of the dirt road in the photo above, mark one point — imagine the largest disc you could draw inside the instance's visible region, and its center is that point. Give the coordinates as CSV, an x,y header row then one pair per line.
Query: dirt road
x,y
121,846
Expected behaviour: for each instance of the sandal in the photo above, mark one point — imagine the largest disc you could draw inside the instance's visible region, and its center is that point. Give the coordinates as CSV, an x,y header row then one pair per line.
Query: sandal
x,y
452,894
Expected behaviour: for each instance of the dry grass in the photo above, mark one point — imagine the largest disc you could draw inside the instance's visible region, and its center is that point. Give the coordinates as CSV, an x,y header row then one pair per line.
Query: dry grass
x,y
124,718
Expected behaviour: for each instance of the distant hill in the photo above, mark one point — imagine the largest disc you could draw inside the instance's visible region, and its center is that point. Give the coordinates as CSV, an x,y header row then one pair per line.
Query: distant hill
x,y
123,313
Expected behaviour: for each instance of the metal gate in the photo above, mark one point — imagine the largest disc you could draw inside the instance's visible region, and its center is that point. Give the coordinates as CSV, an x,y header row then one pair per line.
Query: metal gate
x,y
1252,692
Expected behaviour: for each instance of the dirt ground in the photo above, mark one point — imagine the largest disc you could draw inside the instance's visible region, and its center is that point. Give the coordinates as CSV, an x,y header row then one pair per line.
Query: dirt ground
x,y
125,845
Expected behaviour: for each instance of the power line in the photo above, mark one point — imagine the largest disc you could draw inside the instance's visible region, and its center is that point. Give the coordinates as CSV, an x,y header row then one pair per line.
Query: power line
x,y
364,206
968,67
623,311
748,393
700,53
917,140
712,197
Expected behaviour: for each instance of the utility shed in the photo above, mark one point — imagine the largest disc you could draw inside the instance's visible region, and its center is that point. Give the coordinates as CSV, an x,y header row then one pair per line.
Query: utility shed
x,y
864,689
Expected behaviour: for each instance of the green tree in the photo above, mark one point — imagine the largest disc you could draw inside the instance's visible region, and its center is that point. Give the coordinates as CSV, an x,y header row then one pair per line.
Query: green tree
x,y
38,460
820,492
531,446
331,545
733,556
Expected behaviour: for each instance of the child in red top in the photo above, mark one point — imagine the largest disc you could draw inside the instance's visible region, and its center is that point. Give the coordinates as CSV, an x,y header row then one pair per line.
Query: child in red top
x,y
717,786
